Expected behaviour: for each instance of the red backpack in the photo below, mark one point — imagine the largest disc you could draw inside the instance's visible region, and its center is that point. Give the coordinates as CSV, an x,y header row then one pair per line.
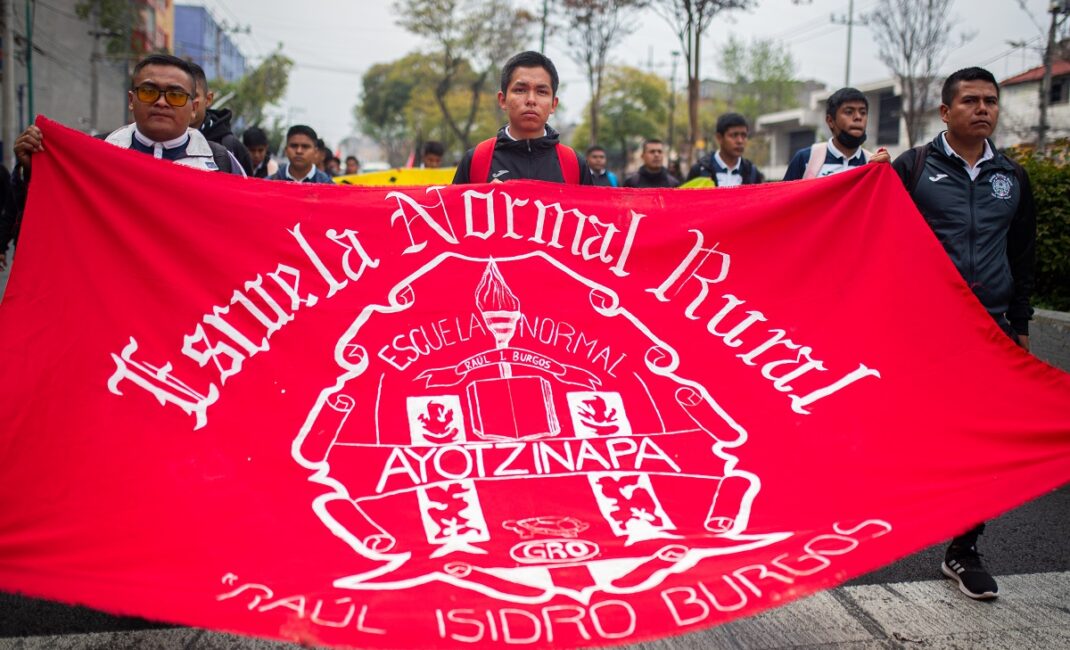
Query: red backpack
x,y
481,158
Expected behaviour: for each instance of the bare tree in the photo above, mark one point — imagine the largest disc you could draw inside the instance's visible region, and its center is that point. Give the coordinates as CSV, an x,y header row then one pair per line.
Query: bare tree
x,y
476,35
690,19
914,38
595,27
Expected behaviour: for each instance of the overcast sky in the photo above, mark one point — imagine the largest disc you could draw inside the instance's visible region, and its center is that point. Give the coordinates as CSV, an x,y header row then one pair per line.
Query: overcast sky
x,y
334,41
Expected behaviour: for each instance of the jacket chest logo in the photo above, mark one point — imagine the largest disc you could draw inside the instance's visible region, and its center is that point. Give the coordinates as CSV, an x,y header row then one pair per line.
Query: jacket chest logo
x,y
1001,186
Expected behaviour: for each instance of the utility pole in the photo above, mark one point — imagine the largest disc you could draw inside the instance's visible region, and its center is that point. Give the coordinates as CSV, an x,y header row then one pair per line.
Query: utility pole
x,y
8,133
545,20
30,6
672,102
850,21
1057,9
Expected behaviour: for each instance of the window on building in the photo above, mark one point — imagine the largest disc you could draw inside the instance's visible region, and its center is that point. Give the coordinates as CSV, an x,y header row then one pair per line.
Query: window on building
x,y
1060,90
799,140
148,16
890,109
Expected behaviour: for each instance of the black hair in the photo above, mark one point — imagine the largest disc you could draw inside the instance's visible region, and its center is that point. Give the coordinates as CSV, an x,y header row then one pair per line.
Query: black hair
x,y
434,148
165,60
651,141
301,129
199,77
254,136
951,84
529,59
841,97
729,120
354,159
593,148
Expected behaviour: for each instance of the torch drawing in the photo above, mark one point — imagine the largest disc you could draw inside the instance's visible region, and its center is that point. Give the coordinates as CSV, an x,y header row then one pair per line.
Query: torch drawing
x,y
500,309
508,407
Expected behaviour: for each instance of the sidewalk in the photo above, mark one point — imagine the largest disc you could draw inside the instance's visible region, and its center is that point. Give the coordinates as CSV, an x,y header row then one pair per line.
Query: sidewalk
x,y
1034,612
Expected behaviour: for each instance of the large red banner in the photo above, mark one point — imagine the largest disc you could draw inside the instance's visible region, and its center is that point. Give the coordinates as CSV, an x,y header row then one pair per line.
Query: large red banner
x,y
520,413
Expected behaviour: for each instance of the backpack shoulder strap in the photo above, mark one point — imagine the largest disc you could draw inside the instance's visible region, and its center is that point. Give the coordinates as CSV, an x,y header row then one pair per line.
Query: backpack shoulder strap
x,y
570,164
479,169
221,157
920,153
749,171
817,159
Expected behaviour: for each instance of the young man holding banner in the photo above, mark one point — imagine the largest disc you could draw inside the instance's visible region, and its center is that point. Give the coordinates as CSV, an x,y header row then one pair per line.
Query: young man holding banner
x,y
979,204
846,114
527,147
163,101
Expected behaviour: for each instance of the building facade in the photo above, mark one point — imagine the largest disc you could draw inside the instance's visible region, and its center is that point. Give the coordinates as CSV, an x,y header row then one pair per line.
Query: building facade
x,y
153,29
203,40
1020,105
71,78
791,130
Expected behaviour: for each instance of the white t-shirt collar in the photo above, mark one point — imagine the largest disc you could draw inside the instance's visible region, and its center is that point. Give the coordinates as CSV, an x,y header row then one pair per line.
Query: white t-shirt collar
x,y
720,161
509,134
972,170
169,144
310,174
839,154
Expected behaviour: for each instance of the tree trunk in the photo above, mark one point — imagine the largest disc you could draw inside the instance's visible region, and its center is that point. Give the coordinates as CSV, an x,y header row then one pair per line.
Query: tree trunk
x,y
1045,83
440,98
473,108
595,103
692,95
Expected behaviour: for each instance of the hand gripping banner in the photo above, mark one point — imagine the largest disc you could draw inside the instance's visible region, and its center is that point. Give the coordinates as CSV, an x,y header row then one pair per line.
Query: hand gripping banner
x,y
516,414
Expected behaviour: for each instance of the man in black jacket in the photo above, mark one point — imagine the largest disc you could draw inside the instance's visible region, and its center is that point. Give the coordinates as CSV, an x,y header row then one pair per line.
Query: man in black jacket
x,y
653,172
527,147
980,205
727,167
215,125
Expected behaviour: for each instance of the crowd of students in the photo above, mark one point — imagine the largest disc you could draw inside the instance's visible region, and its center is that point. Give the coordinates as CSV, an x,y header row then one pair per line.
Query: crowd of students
x,y
977,201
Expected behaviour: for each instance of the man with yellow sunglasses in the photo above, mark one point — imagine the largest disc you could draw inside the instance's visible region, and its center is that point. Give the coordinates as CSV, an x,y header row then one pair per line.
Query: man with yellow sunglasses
x,y
163,102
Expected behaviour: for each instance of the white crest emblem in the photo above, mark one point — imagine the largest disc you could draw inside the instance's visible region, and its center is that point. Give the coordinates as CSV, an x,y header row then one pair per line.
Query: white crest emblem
x,y
1001,186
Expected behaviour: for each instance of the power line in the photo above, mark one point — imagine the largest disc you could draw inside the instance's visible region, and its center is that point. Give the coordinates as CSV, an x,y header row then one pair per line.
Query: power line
x,y
1017,46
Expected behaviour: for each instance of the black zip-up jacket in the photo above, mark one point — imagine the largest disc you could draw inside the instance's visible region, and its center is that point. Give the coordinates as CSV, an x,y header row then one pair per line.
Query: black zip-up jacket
x,y
534,159
646,178
987,226
707,167
216,128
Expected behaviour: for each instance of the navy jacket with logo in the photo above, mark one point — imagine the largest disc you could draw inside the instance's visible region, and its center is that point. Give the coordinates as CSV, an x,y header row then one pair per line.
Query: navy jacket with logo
x,y
987,225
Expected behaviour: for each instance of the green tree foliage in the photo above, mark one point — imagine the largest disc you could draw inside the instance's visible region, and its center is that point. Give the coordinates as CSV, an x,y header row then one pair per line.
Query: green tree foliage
x,y
762,74
1049,176
399,109
387,91
112,16
471,39
257,90
635,106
